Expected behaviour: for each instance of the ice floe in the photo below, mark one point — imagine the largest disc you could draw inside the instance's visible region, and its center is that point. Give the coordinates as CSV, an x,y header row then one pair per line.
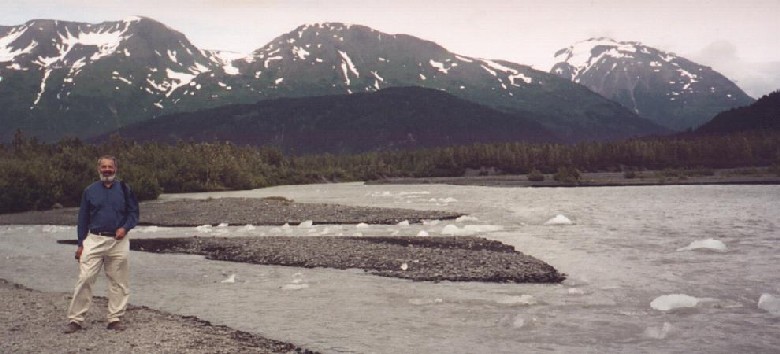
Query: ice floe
x,y
674,301
422,233
231,278
465,218
769,303
306,224
559,219
708,244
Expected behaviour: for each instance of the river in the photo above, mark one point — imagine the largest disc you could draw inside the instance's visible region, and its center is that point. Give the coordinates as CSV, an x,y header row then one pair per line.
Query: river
x,y
707,252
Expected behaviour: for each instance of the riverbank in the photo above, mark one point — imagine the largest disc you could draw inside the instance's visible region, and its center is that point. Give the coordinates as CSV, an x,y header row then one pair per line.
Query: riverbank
x,y
33,322
606,179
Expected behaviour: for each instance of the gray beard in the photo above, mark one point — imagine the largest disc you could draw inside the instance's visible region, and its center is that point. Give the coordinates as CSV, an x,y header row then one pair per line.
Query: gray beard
x,y
108,179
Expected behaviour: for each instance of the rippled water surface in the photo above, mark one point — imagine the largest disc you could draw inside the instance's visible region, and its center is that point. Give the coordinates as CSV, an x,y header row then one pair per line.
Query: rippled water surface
x,y
622,248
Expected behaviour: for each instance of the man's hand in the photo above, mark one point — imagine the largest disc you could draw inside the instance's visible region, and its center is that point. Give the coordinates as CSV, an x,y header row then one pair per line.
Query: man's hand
x,y
120,233
78,253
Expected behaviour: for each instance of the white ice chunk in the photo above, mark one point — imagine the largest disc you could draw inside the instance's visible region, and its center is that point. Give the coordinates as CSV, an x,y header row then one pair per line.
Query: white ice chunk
x,y
230,279
673,301
224,224
404,266
465,218
204,228
559,219
306,224
249,227
422,233
708,244
404,223
362,225
769,303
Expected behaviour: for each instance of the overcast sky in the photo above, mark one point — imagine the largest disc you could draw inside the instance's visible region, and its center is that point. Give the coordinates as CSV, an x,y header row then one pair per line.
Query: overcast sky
x,y
737,38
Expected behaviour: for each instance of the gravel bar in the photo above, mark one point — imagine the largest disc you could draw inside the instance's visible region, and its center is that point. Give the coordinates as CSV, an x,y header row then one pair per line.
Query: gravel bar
x,y
241,211
420,258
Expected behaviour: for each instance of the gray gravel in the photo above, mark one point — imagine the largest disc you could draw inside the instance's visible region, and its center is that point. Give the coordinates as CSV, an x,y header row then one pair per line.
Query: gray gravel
x,y
241,211
426,258
32,323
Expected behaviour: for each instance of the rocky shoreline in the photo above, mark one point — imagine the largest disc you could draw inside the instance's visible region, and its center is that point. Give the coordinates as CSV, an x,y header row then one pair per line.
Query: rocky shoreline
x,y
33,323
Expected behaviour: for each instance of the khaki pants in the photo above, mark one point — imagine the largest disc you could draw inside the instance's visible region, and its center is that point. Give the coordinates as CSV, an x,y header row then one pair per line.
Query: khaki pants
x,y
110,254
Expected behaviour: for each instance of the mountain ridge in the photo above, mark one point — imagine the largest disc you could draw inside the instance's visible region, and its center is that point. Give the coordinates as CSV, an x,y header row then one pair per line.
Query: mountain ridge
x,y
668,89
391,118
144,69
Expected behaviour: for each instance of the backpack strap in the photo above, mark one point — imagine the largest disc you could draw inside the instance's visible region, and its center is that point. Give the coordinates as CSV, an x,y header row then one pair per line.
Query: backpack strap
x,y
124,192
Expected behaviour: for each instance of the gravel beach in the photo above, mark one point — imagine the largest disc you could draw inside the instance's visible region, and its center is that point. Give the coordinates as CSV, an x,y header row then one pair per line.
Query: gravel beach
x,y
32,323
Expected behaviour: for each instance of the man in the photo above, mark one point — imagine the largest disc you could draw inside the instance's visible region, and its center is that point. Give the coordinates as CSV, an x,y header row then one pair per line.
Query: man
x,y
109,210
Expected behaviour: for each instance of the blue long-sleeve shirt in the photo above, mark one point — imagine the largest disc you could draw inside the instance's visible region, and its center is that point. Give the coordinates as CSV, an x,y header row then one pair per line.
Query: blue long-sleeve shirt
x,y
104,209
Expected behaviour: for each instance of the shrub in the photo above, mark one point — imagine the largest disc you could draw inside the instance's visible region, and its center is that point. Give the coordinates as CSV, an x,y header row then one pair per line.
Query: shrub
x,y
535,176
568,175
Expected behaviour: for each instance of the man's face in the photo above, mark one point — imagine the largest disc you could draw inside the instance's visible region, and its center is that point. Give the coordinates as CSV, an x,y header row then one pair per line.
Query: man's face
x,y
107,170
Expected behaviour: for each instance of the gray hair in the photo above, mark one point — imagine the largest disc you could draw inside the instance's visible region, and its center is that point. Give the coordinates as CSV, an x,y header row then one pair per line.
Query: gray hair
x,y
108,157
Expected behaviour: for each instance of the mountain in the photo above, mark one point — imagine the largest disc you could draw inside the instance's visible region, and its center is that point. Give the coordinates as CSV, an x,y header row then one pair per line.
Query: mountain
x,y
391,118
764,115
332,58
62,78
663,87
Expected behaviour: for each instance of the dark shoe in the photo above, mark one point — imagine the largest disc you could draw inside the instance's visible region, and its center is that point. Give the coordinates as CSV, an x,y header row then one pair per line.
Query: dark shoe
x,y
72,327
116,326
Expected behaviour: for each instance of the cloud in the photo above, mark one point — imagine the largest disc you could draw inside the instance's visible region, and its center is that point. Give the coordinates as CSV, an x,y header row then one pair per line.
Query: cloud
x,y
755,78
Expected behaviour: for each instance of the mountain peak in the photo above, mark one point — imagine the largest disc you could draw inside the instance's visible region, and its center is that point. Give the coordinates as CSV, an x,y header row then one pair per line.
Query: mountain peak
x,y
666,88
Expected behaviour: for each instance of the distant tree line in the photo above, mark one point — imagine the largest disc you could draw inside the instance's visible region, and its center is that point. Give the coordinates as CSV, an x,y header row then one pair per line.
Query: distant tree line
x,y
37,176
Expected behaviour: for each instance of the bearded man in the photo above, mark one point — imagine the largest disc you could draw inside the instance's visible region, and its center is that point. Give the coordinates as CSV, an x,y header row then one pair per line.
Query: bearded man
x,y
109,210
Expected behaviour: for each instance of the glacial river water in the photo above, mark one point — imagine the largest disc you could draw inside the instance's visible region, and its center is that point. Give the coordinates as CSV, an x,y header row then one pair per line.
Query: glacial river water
x,y
657,269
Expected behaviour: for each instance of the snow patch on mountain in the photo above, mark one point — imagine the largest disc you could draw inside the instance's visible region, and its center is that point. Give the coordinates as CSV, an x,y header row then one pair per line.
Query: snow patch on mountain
x,y
7,53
